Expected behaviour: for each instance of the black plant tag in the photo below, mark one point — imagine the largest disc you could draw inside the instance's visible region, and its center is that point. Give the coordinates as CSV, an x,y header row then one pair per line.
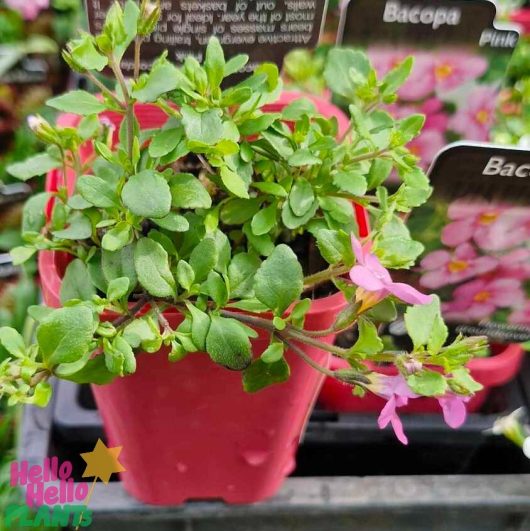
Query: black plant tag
x,y
264,29
7,269
14,193
460,56
476,233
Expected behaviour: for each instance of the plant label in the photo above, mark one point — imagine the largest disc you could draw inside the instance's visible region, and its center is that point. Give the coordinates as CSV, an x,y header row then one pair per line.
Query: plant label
x,y
476,234
264,29
460,62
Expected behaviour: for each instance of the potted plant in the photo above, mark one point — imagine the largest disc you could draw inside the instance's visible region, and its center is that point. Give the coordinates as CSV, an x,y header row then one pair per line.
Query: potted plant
x,y
194,237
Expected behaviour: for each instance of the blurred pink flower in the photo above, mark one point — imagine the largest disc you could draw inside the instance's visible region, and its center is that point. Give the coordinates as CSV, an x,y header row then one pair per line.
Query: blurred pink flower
x,y
510,230
370,275
29,9
521,316
480,298
515,264
469,221
443,267
454,409
435,117
475,119
457,68
397,393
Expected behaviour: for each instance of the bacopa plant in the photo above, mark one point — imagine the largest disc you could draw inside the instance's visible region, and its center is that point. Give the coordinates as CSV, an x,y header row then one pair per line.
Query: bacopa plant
x,y
233,216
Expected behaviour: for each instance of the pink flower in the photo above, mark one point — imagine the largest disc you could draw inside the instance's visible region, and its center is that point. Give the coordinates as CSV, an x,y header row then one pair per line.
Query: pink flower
x,y
454,409
521,316
397,393
469,221
454,69
371,276
480,298
435,117
475,119
443,267
510,230
515,264
29,9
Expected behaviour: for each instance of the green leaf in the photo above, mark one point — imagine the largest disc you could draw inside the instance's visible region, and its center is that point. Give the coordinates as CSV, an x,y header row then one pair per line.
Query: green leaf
x,y
279,281
411,126
77,102
165,142
238,211
351,183
33,166
271,188
334,246
97,191
85,54
118,264
12,341
116,238
143,333
147,194
94,372
339,65
303,157
273,353
241,272
379,172
200,326
76,283
369,342
118,288
66,335
152,267
234,183
291,221
33,217
163,77
79,228
22,254
265,220
228,345
173,222
214,62
428,383
394,79
185,274
301,198
203,258
235,64
426,326
188,192
129,359
215,288
42,394
204,127
462,378
261,375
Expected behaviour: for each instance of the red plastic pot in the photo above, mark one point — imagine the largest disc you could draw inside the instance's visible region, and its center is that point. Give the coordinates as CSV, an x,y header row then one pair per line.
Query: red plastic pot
x,y
188,430
497,370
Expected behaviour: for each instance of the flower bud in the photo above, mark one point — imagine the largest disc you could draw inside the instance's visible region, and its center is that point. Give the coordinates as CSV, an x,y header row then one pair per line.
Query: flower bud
x,y
72,63
42,129
150,13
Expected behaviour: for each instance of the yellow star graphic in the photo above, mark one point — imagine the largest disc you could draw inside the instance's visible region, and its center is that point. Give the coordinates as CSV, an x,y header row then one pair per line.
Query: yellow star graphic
x,y
102,462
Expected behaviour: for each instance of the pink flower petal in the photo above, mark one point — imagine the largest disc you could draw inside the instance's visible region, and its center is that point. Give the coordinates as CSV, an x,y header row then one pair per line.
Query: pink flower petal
x,y
436,259
454,409
364,278
357,249
408,294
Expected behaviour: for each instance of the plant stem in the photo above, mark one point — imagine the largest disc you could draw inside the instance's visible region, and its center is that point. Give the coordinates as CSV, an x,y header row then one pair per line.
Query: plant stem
x,y
161,319
137,47
126,319
103,88
299,352
206,165
370,155
325,276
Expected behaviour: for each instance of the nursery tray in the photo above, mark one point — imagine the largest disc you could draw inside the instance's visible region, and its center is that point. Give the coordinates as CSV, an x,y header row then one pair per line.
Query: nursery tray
x,y
350,475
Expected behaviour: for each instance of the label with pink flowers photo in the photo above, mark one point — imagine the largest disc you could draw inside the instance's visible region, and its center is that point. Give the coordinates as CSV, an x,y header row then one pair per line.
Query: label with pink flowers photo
x,y
460,62
476,234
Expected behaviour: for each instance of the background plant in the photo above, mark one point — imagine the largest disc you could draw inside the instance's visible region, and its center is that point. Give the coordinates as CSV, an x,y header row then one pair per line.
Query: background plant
x,y
201,217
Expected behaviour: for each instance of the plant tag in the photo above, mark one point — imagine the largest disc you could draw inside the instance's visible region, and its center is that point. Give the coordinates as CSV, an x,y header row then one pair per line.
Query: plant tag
x,y
14,193
7,269
266,30
461,59
476,233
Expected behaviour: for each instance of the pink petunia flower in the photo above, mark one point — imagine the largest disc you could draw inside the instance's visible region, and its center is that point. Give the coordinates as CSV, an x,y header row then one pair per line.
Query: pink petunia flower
x,y
480,298
397,393
469,221
29,9
475,119
452,70
370,275
442,268
521,316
